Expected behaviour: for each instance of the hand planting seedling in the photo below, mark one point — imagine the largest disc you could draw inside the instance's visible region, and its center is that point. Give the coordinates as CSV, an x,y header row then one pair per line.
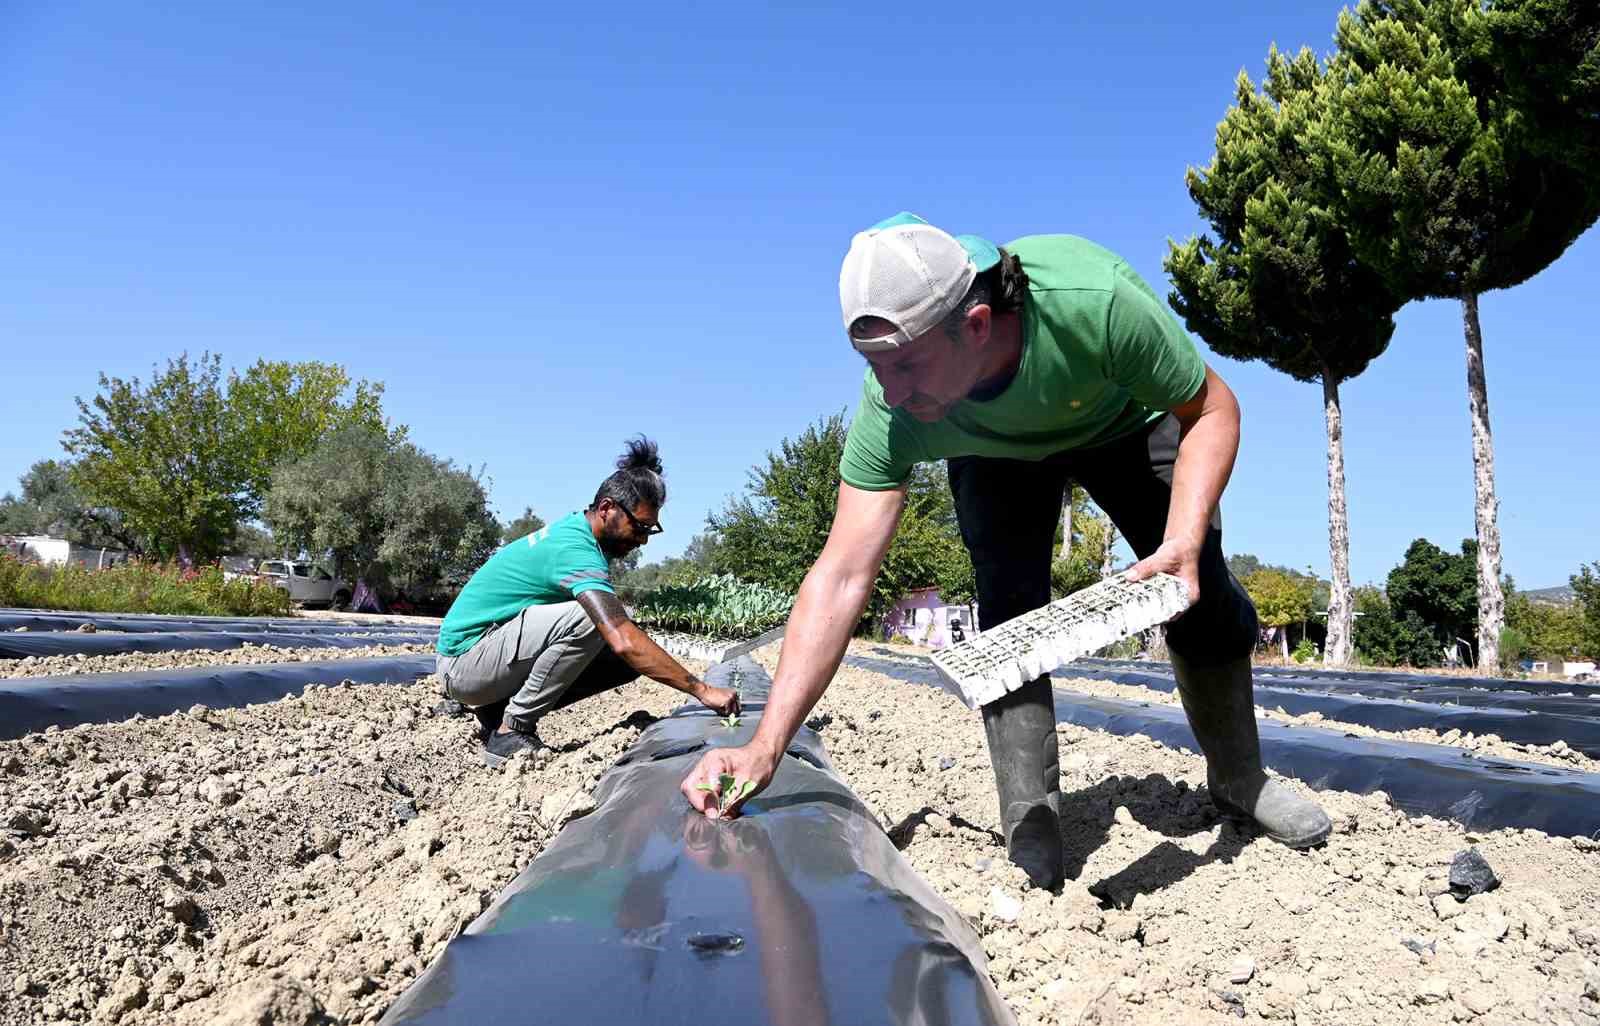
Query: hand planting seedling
x,y
729,790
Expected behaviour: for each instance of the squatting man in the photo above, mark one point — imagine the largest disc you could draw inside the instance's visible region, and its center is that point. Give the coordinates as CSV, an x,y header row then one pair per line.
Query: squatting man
x,y
539,625
1024,367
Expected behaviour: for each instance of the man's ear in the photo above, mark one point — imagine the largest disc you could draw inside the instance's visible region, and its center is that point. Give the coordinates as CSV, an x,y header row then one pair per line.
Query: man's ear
x,y
979,325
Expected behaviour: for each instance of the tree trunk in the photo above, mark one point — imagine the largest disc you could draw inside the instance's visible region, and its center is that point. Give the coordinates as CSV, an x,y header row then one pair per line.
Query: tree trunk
x,y
1491,600
1111,541
1066,525
1336,650
1283,641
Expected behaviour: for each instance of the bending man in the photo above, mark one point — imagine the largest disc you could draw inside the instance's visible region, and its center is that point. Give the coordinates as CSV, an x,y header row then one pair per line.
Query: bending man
x,y
1025,367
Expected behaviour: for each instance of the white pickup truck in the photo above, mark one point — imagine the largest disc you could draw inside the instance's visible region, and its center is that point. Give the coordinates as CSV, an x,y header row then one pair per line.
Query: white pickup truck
x,y
308,584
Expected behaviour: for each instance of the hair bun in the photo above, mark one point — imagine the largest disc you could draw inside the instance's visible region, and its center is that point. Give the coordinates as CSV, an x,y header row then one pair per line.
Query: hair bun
x,y
642,454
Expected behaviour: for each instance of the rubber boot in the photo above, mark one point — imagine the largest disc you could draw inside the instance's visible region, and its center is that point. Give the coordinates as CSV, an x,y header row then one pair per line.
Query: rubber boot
x,y
1220,703
1021,730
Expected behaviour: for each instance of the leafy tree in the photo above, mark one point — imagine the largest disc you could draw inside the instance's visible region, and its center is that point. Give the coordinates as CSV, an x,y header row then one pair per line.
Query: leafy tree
x,y
278,411
383,509
1586,585
51,504
1434,592
437,524
1242,565
1448,189
1280,283
255,542
1549,631
1083,539
521,527
185,459
1280,600
1549,51
160,454
774,532
1384,640
702,550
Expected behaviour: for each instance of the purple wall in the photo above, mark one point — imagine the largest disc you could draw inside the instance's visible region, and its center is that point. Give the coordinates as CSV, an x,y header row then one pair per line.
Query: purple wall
x,y
923,616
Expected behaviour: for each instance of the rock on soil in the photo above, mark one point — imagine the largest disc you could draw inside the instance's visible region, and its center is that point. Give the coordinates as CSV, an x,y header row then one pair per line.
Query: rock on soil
x,y
253,866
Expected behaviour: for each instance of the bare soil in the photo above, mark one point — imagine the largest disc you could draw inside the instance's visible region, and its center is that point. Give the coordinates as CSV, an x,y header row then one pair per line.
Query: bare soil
x,y
301,862
249,655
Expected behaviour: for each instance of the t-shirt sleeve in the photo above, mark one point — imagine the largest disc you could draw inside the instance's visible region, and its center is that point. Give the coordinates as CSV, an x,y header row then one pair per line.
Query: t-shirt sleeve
x,y
585,570
870,461
1148,352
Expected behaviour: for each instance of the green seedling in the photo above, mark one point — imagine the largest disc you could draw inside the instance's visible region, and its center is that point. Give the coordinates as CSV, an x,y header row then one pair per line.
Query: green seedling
x,y
730,721
729,790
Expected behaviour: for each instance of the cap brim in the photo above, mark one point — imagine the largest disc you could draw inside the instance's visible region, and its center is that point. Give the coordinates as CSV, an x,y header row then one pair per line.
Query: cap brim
x,y
983,253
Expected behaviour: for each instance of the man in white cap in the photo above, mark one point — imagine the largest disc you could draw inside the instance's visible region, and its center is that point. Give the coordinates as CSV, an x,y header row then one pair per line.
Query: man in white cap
x,y
1025,367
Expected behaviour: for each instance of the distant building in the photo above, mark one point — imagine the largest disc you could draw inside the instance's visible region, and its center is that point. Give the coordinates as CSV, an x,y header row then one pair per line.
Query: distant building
x,y
39,548
924,617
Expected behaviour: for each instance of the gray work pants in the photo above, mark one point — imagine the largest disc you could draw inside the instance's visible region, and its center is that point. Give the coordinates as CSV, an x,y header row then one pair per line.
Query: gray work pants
x,y
535,659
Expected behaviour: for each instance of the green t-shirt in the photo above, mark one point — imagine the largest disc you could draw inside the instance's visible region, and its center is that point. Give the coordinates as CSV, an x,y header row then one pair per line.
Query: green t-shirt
x,y
1101,358
556,563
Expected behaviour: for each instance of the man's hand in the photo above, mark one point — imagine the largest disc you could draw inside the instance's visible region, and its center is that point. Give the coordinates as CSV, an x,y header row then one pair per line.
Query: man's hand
x,y
745,763
1177,557
722,701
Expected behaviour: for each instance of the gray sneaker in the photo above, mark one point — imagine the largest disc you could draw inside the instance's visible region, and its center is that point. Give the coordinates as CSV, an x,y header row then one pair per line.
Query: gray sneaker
x,y
500,746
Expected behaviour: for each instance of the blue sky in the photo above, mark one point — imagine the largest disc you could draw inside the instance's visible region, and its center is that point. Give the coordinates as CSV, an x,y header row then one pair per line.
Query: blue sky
x,y
547,227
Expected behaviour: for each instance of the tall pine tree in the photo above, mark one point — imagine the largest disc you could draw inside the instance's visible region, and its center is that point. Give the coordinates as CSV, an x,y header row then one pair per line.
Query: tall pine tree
x,y
1450,188
1279,282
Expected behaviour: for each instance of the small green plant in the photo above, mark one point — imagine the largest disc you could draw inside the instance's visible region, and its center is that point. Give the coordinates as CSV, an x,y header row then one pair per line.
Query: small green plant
x,y
730,721
729,790
1305,652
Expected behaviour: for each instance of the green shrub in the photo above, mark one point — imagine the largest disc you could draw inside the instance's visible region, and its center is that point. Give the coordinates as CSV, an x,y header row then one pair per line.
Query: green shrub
x,y
1514,647
136,588
1305,652
719,606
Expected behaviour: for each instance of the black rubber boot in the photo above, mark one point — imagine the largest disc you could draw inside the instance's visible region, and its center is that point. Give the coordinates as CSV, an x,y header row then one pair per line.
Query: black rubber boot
x,y
1021,729
1220,703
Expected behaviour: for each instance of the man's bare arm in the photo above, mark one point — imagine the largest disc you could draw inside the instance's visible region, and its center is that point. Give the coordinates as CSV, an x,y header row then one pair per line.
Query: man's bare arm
x,y
1208,443
634,645
828,608
825,613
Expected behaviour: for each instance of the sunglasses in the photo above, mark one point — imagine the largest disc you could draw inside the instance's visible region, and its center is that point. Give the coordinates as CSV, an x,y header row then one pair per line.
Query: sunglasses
x,y
639,526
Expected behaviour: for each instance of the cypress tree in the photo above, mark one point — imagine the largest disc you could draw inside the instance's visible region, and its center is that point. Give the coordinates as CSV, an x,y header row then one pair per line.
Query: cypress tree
x,y
1451,186
1279,282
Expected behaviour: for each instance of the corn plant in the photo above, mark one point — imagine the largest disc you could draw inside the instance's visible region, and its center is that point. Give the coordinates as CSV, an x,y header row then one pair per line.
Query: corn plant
x,y
729,790
719,606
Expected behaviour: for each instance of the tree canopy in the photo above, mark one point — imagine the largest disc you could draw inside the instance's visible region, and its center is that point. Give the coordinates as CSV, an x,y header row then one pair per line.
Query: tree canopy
x,y
1279,283
773,533
51,504
378,504
1586,585
186,458
1446,191
522,526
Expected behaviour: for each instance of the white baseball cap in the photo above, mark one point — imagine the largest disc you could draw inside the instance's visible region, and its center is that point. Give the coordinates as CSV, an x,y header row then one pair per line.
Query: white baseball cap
x,y
905,271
